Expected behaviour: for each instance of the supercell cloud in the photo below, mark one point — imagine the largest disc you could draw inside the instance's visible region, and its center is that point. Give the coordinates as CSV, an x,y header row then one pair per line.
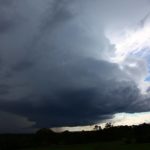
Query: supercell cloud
x,y
72,62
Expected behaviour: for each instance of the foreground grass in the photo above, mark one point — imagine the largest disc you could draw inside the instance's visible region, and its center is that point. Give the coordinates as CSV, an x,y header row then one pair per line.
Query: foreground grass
x,y
99,146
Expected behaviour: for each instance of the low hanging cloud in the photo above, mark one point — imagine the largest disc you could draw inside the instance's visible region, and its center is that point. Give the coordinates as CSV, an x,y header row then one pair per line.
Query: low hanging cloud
x,y
11,123
55,61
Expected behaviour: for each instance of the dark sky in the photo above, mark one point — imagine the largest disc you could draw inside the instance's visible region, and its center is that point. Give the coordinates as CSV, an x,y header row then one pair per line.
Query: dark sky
x,y
56,62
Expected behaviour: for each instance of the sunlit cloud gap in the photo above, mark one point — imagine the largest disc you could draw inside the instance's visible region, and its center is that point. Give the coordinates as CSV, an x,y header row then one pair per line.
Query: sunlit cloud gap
x,y
131,51
119,119
135,43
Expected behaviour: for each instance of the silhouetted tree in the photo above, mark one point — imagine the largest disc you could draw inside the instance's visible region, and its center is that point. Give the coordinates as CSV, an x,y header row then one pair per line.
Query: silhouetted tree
x,y
97,128
108,125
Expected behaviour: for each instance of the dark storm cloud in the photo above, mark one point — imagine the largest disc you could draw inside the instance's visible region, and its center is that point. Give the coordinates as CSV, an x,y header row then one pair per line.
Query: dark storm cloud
x,y
55,14
12,123
55,69
22,66
5,25
80,105
75,107
8,15
4,89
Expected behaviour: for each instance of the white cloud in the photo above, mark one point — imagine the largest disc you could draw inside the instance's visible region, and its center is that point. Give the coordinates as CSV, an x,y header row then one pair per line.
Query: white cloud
x,y
131,119
131,52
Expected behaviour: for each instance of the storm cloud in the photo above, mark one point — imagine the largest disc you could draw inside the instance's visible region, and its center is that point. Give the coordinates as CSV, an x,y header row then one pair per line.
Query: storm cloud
x,y
55,62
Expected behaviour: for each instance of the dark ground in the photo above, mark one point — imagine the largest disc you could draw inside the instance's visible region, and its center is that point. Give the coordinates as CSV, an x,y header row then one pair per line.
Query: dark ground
x,y
109,138
99,146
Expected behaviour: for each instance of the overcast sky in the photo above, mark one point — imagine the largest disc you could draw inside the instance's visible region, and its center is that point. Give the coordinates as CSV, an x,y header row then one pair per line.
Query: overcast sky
x,y
72,62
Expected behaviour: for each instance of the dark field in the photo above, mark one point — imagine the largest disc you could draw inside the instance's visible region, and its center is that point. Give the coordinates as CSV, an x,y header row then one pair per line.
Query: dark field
x,y
109,138
99,146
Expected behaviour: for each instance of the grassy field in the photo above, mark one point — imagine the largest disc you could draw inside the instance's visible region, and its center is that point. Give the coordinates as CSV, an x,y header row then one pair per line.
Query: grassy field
x,y
100,146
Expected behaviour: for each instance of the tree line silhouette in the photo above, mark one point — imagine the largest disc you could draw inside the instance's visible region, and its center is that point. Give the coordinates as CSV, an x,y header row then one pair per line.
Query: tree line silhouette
x,y
47,137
